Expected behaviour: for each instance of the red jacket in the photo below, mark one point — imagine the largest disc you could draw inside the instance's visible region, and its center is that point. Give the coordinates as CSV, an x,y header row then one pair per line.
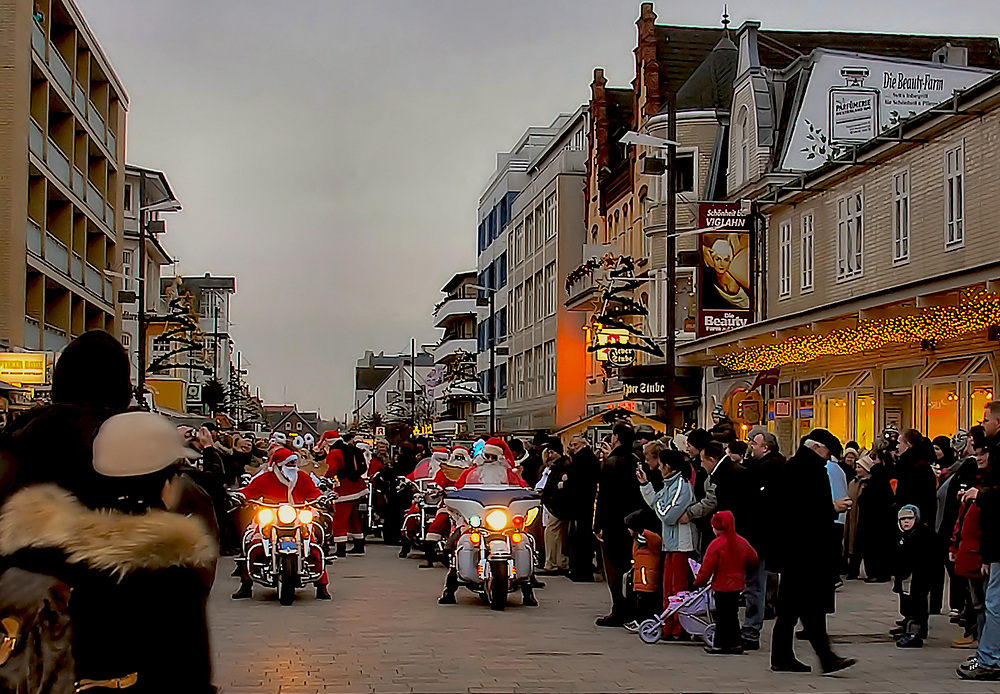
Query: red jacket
x,y
965,542
348,490
271,490
729,558
646,572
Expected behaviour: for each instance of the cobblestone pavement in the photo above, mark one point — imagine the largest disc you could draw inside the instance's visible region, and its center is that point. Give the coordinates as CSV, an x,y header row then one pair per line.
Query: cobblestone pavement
x,y
384,632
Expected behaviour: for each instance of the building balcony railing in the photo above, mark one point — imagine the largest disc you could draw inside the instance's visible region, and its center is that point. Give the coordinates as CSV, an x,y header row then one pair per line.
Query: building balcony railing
x,y
92,279
38,39
80,98
54,339
34,237
60,70
58,162
449,348
32,336
95,201
79,183
36,139
111,140
109,291
95,120
76,268
109,215
453,309
56,254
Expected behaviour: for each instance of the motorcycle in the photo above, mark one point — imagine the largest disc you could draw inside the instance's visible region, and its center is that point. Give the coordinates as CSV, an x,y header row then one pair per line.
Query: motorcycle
x,y
494,555
284,547
427,498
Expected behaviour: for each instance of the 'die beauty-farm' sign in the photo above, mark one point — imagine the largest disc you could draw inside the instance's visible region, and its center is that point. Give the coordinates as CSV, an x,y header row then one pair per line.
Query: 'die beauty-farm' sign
x,y
853,97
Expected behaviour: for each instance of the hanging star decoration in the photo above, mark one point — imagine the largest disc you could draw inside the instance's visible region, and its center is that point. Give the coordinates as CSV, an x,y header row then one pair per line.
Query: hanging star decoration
x,y
617,305
977,312
606,262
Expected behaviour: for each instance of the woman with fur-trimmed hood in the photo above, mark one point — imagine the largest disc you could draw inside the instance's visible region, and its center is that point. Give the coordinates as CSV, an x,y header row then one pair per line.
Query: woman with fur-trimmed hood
x,y
140,573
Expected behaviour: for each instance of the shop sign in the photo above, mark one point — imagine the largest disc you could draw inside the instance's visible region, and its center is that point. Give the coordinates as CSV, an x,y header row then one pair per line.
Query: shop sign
x,y
782,408
805,413
617,357
645,388
20,368
725,291
851,98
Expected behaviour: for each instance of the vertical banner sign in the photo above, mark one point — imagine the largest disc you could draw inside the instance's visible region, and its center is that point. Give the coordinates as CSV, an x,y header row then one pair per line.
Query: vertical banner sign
x,y
725,287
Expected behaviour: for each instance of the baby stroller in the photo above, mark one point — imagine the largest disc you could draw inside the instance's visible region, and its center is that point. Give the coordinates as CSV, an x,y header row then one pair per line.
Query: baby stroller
x,y
693,610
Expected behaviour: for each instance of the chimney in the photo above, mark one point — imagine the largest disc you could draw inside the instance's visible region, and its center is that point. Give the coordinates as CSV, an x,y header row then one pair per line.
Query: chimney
x,y
599,118
647,67
951,55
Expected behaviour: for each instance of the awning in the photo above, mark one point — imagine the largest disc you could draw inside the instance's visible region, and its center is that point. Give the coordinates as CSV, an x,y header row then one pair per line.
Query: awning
x,y
580,426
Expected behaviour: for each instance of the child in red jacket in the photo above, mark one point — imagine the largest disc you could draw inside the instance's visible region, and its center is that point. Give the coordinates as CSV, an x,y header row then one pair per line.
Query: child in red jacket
x,y
728,560
646,574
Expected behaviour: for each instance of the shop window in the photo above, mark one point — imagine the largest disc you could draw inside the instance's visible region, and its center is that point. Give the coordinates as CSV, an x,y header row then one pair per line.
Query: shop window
x,y
941,410
835,411
945,369
901,378
805,388
864,419
979,395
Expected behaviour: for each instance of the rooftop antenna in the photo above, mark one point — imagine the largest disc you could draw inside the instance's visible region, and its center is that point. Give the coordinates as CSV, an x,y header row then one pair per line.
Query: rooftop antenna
x,y
725,18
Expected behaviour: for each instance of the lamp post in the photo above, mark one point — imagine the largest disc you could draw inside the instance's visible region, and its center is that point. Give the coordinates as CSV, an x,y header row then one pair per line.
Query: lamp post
x,y
491,379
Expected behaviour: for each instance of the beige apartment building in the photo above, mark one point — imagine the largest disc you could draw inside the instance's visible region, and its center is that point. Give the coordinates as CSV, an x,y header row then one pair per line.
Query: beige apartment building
x,y
62,155
882,281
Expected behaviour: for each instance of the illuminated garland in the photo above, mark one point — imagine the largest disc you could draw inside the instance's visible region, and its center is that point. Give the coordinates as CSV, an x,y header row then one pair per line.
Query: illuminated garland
x,y
607,261
932,324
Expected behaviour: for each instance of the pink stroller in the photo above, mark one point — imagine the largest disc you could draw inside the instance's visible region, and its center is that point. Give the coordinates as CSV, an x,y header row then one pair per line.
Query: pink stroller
x,y
693,610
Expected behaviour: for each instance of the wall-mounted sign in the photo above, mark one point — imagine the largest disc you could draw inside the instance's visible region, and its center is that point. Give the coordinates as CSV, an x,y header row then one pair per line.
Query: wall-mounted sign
x,y
20,368
645,388
782,408
380,432
853,97
618,357
725,292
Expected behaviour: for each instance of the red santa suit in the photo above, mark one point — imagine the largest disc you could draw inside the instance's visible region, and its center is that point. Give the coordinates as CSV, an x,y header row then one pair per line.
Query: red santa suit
x,y
347,509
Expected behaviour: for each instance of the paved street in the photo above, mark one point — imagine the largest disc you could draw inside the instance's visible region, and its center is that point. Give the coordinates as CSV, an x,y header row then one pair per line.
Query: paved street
x,y
384,632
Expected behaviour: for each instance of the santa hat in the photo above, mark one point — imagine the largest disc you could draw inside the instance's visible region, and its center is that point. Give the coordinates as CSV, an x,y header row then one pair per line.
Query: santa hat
x,y
459,457
440,454
330,435
490,449
283,456
505,451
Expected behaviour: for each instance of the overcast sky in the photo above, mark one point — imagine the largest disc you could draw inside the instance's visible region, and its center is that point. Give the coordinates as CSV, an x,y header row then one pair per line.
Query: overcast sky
x,y
330,153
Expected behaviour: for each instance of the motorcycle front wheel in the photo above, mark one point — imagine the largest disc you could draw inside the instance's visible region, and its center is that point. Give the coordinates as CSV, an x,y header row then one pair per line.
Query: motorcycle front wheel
x,y
286,582
498,585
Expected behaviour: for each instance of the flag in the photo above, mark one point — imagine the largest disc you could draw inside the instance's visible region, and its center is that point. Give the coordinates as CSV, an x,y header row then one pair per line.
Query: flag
x,y
766,378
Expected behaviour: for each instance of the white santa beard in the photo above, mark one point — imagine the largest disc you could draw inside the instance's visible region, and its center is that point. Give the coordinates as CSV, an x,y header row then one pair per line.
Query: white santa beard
x,y
491,473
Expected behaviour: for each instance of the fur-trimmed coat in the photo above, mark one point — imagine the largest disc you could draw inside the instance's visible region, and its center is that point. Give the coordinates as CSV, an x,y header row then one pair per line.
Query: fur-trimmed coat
x,y
139,588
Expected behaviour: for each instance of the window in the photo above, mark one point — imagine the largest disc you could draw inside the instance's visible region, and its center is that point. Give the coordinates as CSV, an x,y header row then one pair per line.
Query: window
x,y
550,216
539,296
515,322
539,226
501,271
550,289
126,339
482,236
529,375
288,426
298,426
501,323
807,251
743,128
128,197
550,366
685,176
127,270
539,371
901,217
501,381
529,304
850,230
519,376
518,243
954,199
785,259
529,235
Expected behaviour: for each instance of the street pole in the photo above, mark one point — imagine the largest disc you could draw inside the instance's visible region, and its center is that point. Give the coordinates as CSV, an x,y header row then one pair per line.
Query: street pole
x,y
670,409
491,378
413,382
141,313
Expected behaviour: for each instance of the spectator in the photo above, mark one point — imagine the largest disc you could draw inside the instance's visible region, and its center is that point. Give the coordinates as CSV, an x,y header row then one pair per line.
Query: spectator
x,y
838,488
968,561
646,563
531,468
764,465
555,497
723,429
677,539
805,555
582,484
727,562
862,475
914,564
916,483
876,518
617,496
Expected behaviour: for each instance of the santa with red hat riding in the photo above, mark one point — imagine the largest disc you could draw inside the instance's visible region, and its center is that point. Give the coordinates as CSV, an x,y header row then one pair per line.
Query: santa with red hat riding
x,y
494,466
347,465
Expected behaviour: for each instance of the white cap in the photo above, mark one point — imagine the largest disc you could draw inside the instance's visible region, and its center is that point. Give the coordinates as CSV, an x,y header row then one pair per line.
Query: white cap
x,y
138,443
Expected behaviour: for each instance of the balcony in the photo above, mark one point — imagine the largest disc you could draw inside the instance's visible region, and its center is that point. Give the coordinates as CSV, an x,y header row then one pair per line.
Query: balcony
x,y
76,268
95,201
38,39
95,120
111,143
109,215
109,291
36,139
58,162
61,72
34,237
32,339
92,279
79,183
56,254
80,98
54,339
449,348
454,310
463,390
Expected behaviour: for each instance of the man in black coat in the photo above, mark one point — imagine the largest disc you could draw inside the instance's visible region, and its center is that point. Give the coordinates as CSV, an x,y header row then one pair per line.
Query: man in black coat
x,y
805,555
617,496
582,484
916,483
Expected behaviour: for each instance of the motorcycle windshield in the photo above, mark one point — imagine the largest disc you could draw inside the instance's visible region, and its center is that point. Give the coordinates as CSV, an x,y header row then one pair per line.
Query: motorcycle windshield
x,y
492,496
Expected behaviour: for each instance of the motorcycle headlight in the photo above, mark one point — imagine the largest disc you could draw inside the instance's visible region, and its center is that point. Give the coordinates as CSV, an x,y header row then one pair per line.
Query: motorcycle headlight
x,y
496,520
305,516
475,521
265,517
530,516
286,514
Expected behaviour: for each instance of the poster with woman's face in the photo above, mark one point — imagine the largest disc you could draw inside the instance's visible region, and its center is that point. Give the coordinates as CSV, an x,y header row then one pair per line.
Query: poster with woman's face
x,y
725,293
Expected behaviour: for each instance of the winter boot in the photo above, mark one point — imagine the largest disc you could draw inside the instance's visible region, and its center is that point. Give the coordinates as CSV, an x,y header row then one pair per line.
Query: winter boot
x,y
404,549
341,549
245,591
528,596
429,558
359,546
450,587
321,592
238,571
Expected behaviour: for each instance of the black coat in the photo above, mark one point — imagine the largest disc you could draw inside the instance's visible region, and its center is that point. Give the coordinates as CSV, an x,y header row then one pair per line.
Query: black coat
x,y
139,594
765,476
914,563
531,469
916,484
618,492
584,469
557,499
877,530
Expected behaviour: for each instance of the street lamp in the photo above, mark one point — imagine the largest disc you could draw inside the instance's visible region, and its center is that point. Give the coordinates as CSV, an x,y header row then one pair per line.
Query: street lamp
x,y
491,381
166,205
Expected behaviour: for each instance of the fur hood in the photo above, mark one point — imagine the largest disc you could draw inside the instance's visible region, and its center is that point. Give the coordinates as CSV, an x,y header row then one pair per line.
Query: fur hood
x,y
46,516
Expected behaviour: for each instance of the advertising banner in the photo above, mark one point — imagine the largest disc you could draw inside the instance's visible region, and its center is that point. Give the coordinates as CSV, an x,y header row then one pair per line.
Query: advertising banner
x,y
22,368
725,288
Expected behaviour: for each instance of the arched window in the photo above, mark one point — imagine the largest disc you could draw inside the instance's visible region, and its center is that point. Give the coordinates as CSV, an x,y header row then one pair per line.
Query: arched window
x,y
743,128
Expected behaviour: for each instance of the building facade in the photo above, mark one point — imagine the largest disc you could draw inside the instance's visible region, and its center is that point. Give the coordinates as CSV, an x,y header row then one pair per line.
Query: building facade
x,y
453,384
62,160
545,233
